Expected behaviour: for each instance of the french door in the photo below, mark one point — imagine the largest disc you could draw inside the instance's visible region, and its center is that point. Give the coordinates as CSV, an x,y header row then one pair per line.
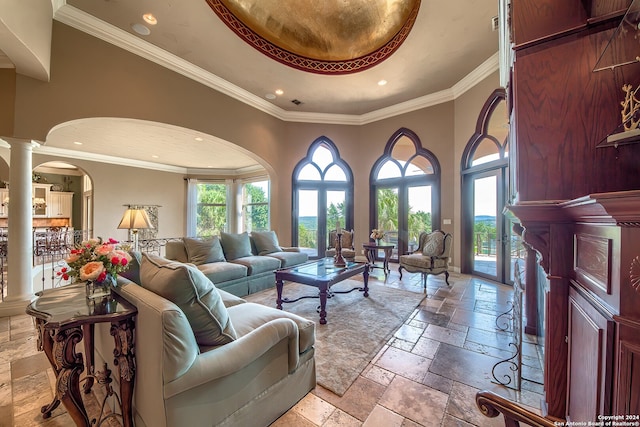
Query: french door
x,y
493,242
403,212
319,211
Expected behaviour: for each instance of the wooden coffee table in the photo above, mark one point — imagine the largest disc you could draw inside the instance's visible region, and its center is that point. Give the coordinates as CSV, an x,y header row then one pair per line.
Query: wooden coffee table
x,y
321,274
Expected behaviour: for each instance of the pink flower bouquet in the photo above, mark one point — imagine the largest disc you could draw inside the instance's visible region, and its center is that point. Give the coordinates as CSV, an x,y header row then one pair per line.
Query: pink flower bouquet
x,y
94,260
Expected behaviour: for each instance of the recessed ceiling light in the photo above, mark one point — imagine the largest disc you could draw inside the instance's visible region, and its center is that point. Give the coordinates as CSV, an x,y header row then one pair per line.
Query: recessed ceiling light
x,y
77,142
154,156
270,96
149,19
197,138
382,82
140,29
279,92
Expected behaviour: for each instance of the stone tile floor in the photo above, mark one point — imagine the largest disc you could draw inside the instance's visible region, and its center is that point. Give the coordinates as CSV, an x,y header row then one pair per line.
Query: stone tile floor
x,y
426,375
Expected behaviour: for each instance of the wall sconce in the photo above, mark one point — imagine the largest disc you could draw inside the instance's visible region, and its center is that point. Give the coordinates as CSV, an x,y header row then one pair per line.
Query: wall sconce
x,y
135,219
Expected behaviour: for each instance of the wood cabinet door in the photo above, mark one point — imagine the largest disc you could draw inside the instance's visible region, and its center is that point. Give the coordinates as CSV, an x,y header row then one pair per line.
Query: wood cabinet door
x,y
627,391
590,366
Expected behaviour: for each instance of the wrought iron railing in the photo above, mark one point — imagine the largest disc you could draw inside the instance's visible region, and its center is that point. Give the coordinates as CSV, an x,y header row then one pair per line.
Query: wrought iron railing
x,y
53,245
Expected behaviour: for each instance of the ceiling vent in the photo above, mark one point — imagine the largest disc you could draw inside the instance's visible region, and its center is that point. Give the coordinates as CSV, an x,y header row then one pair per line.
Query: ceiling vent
x,y
296,101
495,23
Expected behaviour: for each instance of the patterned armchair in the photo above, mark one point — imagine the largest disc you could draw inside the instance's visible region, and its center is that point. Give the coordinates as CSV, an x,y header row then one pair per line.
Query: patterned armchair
x,y
348,250
431,257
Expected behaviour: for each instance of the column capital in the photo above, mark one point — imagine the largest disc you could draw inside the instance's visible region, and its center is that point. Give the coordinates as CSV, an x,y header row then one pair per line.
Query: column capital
x,y
8,142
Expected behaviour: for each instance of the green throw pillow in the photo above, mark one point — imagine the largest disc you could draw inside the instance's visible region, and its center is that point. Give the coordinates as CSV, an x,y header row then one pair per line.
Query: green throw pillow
x,y
197,297
235,245
266,242
133,271
203,251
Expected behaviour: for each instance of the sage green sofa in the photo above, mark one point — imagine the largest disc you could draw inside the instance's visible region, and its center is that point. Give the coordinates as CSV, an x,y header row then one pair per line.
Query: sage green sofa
x,y
256,366
240,264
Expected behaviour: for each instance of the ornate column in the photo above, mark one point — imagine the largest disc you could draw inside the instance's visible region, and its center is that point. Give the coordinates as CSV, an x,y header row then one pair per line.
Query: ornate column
x,y
20,240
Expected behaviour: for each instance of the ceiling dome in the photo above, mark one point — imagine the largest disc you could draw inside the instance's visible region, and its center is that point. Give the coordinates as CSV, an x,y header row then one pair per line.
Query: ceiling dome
x,y
326,37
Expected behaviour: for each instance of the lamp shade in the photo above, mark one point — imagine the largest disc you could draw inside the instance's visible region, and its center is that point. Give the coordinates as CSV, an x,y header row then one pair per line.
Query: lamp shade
x,y
134,219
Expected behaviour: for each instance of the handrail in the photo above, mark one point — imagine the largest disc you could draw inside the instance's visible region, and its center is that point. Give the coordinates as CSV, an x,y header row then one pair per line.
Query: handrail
x,y
492,405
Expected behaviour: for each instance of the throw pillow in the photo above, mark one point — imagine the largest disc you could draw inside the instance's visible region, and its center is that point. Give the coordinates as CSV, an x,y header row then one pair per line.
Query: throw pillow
x,y
266,242
197,297
235,245
133,272
203,251
433,245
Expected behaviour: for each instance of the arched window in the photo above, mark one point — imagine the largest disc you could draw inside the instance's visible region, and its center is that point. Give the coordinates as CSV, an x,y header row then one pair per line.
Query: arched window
x,y
488,244
322,197
405,191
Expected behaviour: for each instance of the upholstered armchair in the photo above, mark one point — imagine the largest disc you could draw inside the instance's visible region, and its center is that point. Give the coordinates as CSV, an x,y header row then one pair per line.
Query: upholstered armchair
x,y
348,250
431,257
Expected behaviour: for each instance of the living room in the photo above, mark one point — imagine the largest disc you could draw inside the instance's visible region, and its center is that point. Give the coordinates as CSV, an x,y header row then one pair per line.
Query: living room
x,y
556,135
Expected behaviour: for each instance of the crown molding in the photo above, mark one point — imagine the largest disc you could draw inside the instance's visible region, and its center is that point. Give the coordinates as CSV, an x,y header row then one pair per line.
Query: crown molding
x,y
89,24
102,158
121,161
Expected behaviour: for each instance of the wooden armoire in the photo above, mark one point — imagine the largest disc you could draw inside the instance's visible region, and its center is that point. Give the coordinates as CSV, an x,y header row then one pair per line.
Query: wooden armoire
x,y
578,201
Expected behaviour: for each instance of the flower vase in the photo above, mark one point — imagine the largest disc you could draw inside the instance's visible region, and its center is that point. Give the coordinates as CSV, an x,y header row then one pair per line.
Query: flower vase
x,y
378,242
98,289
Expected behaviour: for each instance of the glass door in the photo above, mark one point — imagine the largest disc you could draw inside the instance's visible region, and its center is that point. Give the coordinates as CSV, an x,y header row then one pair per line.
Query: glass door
x,y
403,213
314,223
491,240
308,222
418,214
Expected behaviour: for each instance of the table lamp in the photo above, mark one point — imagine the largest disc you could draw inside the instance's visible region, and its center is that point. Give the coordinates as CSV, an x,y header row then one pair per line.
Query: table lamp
x,y
135,219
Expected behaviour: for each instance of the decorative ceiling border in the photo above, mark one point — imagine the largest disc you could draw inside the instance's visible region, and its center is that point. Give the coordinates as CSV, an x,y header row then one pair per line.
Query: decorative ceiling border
x,y
88,24
312,65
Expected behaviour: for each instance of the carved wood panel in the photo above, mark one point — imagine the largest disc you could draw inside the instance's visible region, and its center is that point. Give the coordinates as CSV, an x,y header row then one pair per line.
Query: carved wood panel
x,y
592,261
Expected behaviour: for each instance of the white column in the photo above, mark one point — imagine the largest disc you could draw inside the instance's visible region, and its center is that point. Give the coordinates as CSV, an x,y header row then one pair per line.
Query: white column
x,y
20,240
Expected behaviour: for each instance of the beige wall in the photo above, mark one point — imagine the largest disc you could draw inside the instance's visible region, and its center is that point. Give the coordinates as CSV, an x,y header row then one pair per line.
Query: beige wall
x,y
90,78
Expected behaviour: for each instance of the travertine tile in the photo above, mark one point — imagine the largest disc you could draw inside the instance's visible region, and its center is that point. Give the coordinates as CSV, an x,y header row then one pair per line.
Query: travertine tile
x,y
409,333
426,347
379,375
464,366
462,405
404,363
381,416
415,401
29,365
314,409
445,335
341,419
360,398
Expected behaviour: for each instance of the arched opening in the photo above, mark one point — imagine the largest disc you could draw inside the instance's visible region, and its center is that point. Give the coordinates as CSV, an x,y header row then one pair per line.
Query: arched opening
x,y
488,242
322,197
405,192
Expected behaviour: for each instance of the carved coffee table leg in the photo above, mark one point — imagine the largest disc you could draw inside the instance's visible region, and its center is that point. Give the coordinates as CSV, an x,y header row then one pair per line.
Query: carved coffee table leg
x,y
279,285
70,366
323,303
124,359
365,275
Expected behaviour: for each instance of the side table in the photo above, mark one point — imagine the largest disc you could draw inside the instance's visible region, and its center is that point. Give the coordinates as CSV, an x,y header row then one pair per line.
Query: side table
x,y
64,317
371,250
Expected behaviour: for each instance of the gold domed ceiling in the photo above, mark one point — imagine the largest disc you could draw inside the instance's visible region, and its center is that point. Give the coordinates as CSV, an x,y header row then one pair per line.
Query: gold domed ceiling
x,y
321,36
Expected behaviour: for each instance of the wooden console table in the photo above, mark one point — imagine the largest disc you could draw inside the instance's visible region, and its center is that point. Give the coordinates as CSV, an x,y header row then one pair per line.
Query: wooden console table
x,y
64,317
